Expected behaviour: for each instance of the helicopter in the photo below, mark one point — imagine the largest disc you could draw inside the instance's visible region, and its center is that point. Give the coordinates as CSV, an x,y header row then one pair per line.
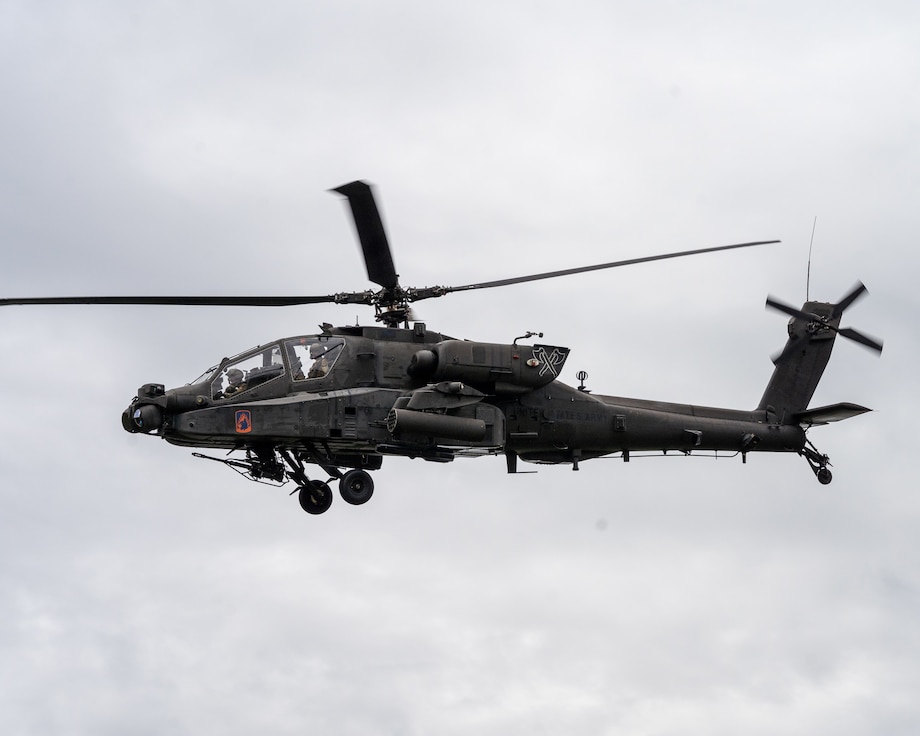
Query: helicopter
x,y
345,398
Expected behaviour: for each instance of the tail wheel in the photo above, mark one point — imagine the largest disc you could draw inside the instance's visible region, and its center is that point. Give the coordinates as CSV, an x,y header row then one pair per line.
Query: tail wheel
x,y
315,497
818,462
356,487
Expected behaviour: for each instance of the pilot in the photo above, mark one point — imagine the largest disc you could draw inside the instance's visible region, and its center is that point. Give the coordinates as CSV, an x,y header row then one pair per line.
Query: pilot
x,y
235,382
320,365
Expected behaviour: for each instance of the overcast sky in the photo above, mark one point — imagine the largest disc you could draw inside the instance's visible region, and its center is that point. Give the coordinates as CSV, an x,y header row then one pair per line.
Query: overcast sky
x,y
173,148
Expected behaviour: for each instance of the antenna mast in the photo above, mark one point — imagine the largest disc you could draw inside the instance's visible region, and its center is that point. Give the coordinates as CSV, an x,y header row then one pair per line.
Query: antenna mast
x,y
808,272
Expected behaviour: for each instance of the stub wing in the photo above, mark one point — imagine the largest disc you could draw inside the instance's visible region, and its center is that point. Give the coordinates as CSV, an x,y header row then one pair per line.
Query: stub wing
x,y
828,414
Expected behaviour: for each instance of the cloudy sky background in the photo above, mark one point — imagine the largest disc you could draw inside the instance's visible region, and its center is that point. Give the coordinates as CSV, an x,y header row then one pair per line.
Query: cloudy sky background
x,y
177,148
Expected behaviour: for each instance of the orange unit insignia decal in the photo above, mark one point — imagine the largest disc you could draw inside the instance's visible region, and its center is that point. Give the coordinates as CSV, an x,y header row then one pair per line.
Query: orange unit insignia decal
x,y
243,421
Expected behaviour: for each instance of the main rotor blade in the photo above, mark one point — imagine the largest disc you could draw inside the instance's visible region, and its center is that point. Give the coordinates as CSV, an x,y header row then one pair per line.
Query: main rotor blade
x,y
377,256
600,266
192,301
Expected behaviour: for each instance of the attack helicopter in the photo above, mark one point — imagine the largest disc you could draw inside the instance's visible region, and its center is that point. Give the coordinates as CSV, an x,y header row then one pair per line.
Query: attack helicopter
x,y
345,398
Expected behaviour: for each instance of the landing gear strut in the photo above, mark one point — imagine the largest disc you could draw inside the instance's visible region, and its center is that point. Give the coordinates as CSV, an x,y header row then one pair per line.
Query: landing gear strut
x,y
315,496
265,464
355,486
818,463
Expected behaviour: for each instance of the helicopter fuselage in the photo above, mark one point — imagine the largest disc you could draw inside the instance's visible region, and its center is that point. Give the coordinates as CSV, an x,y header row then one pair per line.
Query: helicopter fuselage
x,y
349,396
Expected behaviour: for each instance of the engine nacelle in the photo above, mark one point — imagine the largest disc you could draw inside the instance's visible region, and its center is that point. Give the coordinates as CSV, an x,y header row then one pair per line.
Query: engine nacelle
x,y
490,367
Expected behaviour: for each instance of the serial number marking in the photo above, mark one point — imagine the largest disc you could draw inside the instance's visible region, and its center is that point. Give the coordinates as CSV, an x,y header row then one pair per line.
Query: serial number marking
x,y
578,416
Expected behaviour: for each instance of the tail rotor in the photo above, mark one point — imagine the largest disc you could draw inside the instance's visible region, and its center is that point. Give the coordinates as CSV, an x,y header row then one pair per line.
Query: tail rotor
x,y
826,320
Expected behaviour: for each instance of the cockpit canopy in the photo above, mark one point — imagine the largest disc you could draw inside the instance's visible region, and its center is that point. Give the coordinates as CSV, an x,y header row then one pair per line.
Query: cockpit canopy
x,y
298,359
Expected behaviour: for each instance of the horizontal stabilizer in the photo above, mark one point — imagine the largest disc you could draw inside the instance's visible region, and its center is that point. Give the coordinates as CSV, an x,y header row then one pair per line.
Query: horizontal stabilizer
x,y
828,414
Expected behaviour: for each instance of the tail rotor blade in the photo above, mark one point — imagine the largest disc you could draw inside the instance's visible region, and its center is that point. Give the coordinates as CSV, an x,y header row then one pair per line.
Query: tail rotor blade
x,y
863,339
776,304
855,293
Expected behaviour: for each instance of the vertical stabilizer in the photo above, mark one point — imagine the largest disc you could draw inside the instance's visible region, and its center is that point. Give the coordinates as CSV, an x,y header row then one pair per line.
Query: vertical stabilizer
x,y
799,367
801,364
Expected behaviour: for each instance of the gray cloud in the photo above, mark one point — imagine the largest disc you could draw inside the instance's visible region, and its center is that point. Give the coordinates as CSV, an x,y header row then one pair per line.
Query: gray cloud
x,y
172,149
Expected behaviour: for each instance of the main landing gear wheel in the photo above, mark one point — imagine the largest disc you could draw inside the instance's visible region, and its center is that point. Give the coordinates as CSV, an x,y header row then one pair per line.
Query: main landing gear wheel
x,y
315,497
356,487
